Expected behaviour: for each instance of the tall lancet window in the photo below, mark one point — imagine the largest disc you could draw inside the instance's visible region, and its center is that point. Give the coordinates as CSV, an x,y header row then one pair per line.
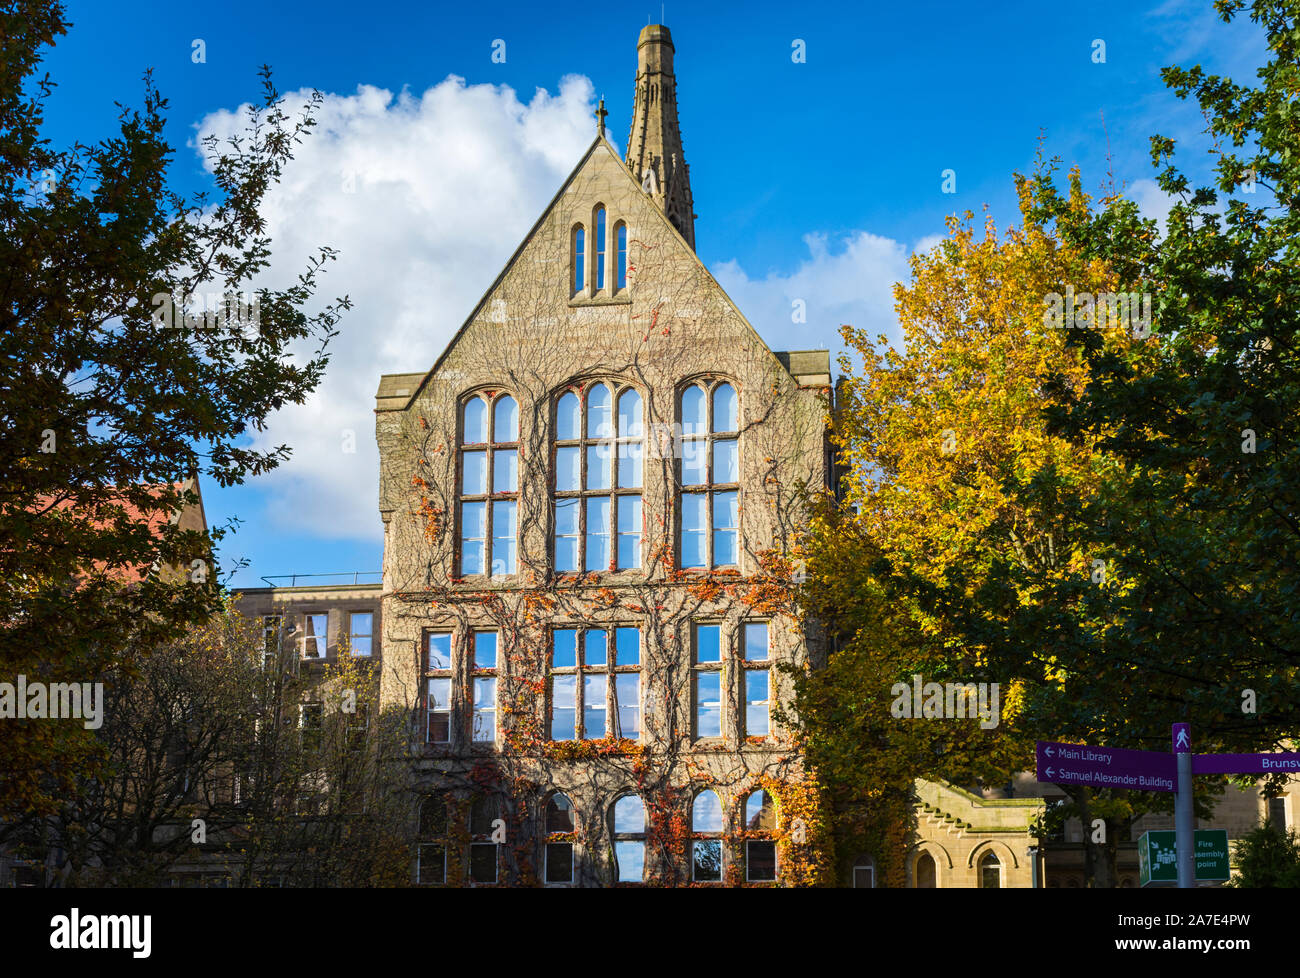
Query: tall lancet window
x,y
600,248
489,484
598,472
578,258
709,500
620,239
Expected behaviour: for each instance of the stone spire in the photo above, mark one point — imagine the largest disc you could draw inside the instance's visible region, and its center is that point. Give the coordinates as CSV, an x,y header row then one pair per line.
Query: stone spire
x,y
654,147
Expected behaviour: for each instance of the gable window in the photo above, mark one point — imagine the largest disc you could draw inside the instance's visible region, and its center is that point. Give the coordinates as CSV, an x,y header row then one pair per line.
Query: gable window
x,y
706,830
707,681
484,810
595,688
620,243
757,679
362,628
431,851
489,484
315,630
600,248
628,832
760,853
598,474
485,687
559,831
709,500
578,259
438,684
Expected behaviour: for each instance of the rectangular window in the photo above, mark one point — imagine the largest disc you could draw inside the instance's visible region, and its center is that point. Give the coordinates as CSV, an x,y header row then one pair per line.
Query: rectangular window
x,y
755,641
627,692
505,470
483,862
598,459
439,704
566,535
694,530
564,698
585,702
568,468
726,461
503,537
622,256
594,693
756,703
485,710
707,861
439,652
559,862
474,474
630,472
356,726
485,650
431,864
629,532
630,857
362,629
311,719
314,636
760,861
473,534
598,534
726,524
708,681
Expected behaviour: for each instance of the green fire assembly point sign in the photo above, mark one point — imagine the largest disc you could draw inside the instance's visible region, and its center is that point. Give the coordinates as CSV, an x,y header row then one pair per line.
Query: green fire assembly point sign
x,y
1158,860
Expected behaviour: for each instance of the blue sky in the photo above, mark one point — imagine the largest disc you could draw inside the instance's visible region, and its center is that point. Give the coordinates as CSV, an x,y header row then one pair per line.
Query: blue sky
x,y
812,180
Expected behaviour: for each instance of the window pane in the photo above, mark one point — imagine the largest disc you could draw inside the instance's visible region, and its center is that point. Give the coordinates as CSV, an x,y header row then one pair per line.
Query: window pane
x,y
475,421
629,414
708,704
440,650
482,811
627,694
726,517
566,534
563,700
505,470
485,699
629,531
622,257
595,647
505,419
564,648
599,418
759,813
598,534
627,645
707,861
432,864
559,862
593,707
567,418
439,707
756,641
693,459
314,635
485,650
483,863
693,530
630,857
474,473
362,624
629,815
706,813
708,643
600,248
693,422
756,703
760,859
598,462
473,527
503,537
726,461
724,408
559,814
579,259
568,466
630,455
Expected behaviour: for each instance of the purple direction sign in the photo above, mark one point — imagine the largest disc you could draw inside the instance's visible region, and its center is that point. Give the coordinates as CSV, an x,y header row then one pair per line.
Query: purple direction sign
x,y
1244,763
1105,767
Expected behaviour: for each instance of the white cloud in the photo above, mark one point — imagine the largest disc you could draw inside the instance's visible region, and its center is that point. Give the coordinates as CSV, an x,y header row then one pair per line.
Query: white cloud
x,y
1152,202
851,281
425,198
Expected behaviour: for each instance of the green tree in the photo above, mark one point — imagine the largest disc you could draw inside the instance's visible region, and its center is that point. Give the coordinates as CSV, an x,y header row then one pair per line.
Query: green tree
x,y
116,388
1267,857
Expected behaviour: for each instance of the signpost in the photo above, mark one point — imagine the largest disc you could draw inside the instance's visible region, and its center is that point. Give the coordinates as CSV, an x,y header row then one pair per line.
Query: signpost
x,y
1191,856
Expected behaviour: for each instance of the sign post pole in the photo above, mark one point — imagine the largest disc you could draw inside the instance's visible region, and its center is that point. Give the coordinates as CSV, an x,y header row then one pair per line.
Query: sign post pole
x,y
1184,812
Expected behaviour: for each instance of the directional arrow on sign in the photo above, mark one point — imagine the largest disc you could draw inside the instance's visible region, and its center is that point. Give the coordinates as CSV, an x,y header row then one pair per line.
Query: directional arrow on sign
x,y
1105,767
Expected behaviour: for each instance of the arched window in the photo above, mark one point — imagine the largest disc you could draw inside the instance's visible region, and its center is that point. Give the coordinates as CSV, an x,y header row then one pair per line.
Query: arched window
x,y
598,473
484,810
706,830
578,259
864,874
925,875
760,852
990,872
599,222
709,501
431,853
559,828
620,242
489,484
628,833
